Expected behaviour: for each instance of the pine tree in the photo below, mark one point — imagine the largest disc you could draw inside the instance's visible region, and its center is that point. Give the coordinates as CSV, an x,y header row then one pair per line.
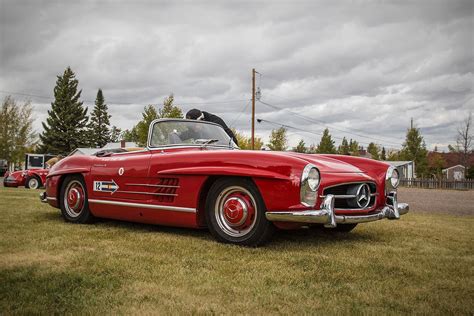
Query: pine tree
x,y
99,125
353,148
344,148
326,145
169,110
414,148
64,129
300,148
384,154
373,150
278,139
115,134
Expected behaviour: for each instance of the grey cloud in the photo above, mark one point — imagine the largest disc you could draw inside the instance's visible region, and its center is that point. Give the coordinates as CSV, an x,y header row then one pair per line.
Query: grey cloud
x,y
365,67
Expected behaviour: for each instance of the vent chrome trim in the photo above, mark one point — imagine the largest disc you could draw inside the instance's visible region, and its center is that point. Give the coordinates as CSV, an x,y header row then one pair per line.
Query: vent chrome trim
x,y
141,205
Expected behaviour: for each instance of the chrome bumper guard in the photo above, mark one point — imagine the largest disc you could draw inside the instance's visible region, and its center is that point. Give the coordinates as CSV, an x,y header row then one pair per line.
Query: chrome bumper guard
x,y
326,214
43,197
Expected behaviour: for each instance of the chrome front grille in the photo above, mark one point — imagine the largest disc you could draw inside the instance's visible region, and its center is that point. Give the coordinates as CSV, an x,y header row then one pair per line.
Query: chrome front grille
x,y
353,196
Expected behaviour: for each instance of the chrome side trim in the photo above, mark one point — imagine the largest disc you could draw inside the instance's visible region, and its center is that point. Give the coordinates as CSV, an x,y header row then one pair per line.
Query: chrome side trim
x,y
141,205
147,193
153,185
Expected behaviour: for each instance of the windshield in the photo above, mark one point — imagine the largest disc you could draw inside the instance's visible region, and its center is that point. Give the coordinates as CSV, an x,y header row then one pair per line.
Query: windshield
x,y
181,132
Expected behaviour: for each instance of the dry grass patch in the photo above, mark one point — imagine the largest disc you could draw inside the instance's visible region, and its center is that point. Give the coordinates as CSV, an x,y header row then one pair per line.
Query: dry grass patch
x,y
420,264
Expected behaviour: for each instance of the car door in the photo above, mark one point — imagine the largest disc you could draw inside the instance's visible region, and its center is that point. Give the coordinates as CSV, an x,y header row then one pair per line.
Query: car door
x,y
121,176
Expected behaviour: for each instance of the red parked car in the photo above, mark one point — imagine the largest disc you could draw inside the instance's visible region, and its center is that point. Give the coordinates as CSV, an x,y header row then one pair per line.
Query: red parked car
x,y
30,179
192,175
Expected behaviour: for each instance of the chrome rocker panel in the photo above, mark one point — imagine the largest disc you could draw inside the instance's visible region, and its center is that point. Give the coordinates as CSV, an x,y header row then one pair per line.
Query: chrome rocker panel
x,y
326,214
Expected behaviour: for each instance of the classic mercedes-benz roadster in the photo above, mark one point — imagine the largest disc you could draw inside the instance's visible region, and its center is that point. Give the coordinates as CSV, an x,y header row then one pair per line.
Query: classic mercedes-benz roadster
x,y
191,174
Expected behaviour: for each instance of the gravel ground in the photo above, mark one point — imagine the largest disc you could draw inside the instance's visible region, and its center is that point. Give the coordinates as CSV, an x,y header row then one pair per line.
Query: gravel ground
x,y
438,201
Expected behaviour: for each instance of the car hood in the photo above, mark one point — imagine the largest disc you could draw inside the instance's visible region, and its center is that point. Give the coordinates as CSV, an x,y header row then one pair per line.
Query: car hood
x,y
326,164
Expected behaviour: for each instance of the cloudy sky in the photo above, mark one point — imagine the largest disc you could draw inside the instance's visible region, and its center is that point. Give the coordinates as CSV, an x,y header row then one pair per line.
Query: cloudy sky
x,y
360,68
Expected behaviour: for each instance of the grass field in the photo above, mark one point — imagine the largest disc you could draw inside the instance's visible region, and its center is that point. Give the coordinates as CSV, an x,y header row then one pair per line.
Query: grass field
x,y
421,264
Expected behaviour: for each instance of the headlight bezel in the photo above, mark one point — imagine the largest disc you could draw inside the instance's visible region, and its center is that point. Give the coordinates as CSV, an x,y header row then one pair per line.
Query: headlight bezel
x,y
307,188
389,177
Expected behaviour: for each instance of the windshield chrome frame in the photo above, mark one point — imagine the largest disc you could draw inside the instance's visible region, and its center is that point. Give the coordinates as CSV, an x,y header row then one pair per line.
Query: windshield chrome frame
x,y
152,126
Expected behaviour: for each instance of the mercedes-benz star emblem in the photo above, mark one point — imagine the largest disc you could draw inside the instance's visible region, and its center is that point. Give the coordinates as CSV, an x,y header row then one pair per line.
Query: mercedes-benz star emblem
x,y
363,195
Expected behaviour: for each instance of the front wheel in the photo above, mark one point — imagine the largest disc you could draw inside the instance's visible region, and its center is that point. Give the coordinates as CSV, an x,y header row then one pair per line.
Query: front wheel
x,y
73,200
235,213
32,183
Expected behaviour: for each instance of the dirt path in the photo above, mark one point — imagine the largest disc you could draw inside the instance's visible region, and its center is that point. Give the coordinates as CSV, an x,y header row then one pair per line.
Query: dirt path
x,y
438,201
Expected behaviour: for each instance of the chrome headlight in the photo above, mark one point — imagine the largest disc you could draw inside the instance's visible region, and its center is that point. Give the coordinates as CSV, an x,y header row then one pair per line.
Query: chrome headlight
x,y
392,178
310,180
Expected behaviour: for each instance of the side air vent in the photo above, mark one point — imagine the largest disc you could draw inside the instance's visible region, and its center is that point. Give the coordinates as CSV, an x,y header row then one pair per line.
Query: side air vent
x,y
165,190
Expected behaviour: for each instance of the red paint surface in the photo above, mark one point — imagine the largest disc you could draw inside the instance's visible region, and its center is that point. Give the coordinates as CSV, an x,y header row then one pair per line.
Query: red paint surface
x,y
276,175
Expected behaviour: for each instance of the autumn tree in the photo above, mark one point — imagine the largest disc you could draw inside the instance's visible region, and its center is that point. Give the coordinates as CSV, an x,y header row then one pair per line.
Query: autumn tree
x,y
437,164
99,124
16,130
246,142
65,127
312,149
300,148
278,140
326,145
414,149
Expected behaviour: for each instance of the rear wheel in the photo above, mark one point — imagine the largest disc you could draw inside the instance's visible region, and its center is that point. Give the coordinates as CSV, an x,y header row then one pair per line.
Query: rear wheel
x,y
235,213
33,183
73,200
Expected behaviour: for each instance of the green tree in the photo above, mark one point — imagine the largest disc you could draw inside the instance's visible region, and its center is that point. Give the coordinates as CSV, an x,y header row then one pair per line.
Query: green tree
x,y
300,148
353,148
141,129
312,149
384,154
130,135
115,134
344,148
278,140
65,127
169,110
414,148
373,150
16,130
326,145
99,124
246,142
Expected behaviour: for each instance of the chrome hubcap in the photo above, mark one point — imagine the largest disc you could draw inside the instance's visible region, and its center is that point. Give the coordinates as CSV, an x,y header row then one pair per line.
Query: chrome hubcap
x,y
74,198
33,183
235,211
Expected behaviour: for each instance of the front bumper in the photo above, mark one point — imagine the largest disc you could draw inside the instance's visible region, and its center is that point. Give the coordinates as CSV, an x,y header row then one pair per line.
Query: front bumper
x,y
10,182
327,216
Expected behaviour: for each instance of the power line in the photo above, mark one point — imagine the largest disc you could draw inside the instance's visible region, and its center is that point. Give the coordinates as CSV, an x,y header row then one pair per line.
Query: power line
x,y
123,103
240,114
306,131
325,124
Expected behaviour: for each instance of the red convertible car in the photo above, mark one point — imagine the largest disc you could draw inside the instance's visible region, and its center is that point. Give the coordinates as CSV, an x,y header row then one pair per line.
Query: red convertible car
x,y
191,174
30,179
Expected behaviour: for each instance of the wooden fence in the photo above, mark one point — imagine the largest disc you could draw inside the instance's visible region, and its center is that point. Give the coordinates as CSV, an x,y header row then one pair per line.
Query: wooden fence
x,y
467,184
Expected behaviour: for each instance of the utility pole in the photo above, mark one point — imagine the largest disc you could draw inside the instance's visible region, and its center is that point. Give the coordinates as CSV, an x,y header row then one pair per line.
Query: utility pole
x,y
411,123
253,108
